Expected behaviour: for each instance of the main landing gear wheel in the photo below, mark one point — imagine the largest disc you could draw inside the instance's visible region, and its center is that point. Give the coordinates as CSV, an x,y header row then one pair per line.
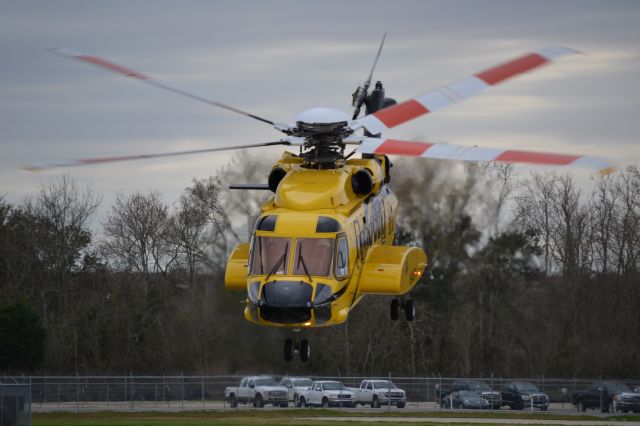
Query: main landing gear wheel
x,y
408,306
395,310
288,350
409,310
305,350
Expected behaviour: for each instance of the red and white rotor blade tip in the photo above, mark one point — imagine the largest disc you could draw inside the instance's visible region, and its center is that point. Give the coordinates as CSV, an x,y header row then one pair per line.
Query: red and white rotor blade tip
x,y
36,167
443,151
127,72
457,91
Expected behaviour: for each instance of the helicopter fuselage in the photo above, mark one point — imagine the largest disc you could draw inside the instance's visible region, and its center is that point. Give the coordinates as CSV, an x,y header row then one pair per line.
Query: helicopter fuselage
x,y
322,242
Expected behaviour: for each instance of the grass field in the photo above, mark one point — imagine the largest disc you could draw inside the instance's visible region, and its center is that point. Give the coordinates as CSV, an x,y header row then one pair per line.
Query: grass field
x,y
278,417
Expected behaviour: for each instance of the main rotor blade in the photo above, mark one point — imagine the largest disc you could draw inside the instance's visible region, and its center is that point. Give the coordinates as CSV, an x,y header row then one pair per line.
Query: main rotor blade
x,y
473,153
119,69
362,94
90,161
375,61
457,91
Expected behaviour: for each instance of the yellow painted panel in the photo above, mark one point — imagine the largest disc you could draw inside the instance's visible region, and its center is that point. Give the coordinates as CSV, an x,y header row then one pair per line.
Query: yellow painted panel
x,y
235,277
392,270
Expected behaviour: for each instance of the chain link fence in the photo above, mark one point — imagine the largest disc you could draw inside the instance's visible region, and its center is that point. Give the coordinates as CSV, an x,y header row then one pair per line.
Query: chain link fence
x,y
15,402
181,393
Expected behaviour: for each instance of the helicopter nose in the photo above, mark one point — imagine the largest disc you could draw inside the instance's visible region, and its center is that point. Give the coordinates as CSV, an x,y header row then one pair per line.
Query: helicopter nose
x,y
282,293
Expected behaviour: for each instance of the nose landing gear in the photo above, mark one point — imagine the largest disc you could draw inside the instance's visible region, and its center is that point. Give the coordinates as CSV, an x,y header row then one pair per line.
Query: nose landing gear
x,y
408,306
297,346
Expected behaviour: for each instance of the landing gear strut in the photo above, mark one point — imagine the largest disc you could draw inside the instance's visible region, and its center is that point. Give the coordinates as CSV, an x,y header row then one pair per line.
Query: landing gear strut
x,y
297,346
407,306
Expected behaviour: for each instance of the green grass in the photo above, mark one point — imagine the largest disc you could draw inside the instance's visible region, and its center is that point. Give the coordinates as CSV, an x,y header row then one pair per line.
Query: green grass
x,y
274,417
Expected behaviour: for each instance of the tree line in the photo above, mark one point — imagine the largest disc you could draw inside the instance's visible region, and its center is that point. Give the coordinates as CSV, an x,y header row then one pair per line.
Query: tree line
x,y
527,276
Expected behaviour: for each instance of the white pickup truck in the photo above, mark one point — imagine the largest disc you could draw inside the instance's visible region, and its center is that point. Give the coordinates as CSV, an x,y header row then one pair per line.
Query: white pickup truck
x,y
295,385
379,393
257,390
327,393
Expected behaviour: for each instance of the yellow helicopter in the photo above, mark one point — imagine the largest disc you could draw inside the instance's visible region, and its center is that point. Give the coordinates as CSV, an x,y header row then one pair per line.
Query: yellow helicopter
x,y
325,238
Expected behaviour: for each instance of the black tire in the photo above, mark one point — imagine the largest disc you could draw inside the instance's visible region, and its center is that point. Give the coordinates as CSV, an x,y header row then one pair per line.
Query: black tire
x,y
303,402
305,350
258,402
233,402
325,403
375,403
401,405
581,407
409,310
284,405
288,350
395,310
544,408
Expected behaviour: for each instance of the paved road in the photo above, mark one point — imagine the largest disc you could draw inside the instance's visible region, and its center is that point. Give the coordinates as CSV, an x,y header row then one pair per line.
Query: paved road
x,y
172,406
466,420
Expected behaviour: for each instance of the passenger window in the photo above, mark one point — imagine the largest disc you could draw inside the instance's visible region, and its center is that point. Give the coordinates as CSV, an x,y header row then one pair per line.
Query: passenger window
x,y
342,260
369,386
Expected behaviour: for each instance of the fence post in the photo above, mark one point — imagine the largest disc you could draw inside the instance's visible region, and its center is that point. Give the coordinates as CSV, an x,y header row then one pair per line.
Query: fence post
x,y
125,390
182,392
131,391
77,391
438,401
202,390
492,389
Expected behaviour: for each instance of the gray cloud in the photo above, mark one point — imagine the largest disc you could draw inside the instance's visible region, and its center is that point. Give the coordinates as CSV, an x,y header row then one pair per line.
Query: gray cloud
x,y
277,58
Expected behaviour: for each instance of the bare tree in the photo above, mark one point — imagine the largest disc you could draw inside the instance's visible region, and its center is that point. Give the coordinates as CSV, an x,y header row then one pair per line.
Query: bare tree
x,y
534,210
198,210
138,234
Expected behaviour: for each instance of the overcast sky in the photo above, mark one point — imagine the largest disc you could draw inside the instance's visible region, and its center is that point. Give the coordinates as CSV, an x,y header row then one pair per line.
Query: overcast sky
x,y
277,58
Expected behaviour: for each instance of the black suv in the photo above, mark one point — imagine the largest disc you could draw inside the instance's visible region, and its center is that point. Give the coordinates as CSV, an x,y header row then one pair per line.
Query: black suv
x,y
608,397
494,398
518,395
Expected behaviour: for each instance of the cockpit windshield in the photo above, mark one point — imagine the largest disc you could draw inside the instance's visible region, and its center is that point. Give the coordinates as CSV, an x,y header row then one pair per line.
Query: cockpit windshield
x,y
314,256
270,256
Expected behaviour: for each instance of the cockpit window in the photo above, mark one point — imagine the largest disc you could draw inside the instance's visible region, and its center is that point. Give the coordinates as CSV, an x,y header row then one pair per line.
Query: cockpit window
x,y
342,259
313,256
270,255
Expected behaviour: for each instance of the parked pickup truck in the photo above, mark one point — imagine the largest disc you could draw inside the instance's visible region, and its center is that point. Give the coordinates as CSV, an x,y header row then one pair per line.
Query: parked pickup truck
x,y
520,395
257,390
380,392
608,397
295,385
327,393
